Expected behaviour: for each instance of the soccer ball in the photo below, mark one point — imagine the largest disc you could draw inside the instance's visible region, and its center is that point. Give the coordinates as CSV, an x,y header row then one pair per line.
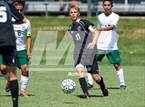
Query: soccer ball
x,y
68,86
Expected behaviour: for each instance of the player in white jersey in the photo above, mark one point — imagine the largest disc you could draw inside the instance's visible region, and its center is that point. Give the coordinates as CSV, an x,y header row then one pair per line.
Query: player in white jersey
x,y
22,33
107,41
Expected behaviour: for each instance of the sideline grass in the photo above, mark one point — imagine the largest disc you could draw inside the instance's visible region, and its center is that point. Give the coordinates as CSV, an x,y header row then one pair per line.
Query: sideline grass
x,y
45,90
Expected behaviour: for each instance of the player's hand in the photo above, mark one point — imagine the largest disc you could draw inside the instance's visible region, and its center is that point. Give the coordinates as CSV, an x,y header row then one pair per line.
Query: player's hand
x,y
29,55
91,45
25,20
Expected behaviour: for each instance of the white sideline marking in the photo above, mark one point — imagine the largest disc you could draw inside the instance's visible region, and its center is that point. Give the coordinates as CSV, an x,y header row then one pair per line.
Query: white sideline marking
x,y
71,74
50,69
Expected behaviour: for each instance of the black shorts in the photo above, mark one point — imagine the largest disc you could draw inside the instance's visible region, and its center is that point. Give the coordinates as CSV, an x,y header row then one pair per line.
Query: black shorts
x,y
93,69
8,55
89,62
84,57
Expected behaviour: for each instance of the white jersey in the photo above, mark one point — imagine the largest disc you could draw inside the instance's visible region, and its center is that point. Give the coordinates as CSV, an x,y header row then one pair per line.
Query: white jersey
x,y
108,39
21,32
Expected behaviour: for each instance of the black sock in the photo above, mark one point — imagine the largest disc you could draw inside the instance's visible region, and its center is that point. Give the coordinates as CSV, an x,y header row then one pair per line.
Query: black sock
x,y
14,92
101,83
83,84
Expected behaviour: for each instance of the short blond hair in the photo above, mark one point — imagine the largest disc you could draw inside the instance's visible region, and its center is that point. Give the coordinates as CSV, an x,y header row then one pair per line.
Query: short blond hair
x,y
74,7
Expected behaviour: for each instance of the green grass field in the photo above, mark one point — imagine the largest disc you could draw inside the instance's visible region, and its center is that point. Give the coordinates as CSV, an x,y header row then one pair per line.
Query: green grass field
x,y
45,90
45,81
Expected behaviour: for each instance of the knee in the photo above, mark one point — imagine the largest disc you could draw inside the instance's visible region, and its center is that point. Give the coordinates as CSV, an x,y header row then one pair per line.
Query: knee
x,y
24,69
117,66
96,77
12,76
3,69
80,70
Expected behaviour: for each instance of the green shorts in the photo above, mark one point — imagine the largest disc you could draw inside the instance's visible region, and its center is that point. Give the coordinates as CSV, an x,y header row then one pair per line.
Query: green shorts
x,y
113,56
1,59
22,58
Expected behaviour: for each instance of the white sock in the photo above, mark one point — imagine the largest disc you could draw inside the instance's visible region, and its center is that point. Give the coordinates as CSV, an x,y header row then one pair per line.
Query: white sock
x,y
24,82
90,79
120,76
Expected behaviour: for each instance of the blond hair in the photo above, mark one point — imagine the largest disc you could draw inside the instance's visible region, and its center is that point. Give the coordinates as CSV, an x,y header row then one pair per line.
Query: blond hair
x,y
74,7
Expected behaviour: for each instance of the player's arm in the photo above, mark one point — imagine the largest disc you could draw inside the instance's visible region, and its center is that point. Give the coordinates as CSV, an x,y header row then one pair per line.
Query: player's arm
x,y
29,46
29,42
110,26
95,34
105,28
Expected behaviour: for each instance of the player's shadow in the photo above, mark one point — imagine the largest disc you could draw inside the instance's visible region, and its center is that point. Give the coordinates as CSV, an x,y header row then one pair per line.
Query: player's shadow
x,y
70,102
113,88
96,96
5,95
29,95
80,96
109,88
8,95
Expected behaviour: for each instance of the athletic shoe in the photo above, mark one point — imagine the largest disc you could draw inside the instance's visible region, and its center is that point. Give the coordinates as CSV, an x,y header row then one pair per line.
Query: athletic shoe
x,y
122,87
105,92
89,86
84,96
24,92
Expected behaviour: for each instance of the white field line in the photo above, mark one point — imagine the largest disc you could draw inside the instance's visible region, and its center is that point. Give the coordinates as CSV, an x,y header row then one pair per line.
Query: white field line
x,y
50,69
71,71
132,17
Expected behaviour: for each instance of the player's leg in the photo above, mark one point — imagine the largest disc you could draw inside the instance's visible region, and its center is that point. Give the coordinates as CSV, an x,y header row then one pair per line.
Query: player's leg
x,y
2,66
120,75
5,74
80,70
7,87
13,84
114,58
94,71
90,81
9,58
24,80
23,64
99,55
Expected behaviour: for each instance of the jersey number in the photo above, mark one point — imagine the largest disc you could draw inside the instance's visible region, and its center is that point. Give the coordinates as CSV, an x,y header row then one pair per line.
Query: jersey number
x,y
18,33
3,14
78,36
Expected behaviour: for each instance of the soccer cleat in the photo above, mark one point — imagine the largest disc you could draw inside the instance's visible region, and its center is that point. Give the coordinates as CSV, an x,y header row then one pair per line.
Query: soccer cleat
x,y
122,87
23,93
105,92
89,86
84,96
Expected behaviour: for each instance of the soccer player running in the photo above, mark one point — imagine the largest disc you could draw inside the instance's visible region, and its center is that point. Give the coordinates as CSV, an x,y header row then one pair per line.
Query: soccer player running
x,y
107,41
22,32
84,52
8,45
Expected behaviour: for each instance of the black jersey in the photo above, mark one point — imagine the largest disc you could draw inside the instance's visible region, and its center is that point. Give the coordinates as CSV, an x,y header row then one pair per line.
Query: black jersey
x,y
7,36
82,36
